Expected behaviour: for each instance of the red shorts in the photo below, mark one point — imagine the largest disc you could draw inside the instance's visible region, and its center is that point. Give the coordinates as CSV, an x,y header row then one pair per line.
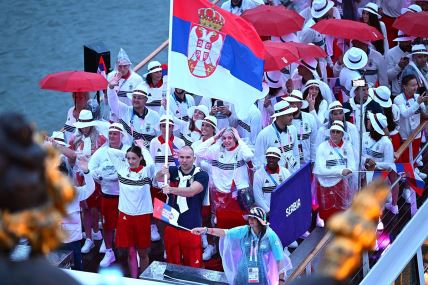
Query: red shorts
x,y
157,193
183,247
109,211
94,201
227,210
133,231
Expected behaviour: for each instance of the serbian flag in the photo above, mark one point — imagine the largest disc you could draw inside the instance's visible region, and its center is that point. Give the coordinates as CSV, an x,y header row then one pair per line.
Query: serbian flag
x,y
214,53
415,182
377,174
165,212
101,67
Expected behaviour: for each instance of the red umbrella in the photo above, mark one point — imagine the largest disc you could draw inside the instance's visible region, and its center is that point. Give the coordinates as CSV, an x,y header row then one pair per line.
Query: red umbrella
x,y
278,55
413,24
348,29
73,81
273,20
306,51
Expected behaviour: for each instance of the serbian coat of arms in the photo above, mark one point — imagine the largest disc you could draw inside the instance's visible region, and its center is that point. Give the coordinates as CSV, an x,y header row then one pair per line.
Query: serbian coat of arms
x,y
205,43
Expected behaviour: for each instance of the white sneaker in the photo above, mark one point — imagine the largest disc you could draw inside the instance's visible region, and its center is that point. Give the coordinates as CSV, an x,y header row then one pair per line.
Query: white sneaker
x,y
294,244
305,234
97,236
154,233
393,209
320,222
108,259
419,162
89,244
204,241
380,226
407,195
103,248
209,252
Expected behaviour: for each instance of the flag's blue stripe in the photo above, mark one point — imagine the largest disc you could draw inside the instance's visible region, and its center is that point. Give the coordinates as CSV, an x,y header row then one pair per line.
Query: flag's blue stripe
x,y
236,57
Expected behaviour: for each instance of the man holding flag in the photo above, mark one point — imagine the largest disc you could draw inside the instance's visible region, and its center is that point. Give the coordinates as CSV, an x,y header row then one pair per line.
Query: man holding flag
x,y
186,192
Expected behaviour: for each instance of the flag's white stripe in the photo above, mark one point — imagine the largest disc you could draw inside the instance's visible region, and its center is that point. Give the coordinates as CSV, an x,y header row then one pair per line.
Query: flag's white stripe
x,y
221,84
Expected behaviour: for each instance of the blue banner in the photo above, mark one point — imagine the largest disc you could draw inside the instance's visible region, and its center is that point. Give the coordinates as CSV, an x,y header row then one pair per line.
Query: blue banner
x,y
291,206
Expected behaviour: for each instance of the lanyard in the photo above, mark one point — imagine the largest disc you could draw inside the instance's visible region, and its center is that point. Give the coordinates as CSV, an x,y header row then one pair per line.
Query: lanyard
x,y
341,156
279,137
271,178
254,249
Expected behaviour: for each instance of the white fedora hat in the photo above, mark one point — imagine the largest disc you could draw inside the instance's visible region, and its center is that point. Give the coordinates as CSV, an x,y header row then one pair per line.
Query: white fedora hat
x,y
274,79
403,37
170,120
419,49
59,138
85,120
336,105
296,96
140,89
202,108
371,8
378,121
283,108
116,127
355,58
414,8
211,120
381,95
273,151
152,67
321,7
337,125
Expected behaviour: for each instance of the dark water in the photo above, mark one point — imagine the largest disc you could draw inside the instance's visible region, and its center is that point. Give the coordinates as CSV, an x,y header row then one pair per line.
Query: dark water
x,y
47,36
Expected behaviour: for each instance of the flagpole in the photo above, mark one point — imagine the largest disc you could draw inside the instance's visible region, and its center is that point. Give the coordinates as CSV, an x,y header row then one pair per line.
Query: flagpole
x,y
168,88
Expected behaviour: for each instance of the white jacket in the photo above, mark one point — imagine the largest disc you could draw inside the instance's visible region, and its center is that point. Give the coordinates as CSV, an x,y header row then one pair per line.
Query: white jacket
x,y
103,170
263,186
306,135
410,116
226,165
126,85
135,127
331,161
287,142
392,58
382,151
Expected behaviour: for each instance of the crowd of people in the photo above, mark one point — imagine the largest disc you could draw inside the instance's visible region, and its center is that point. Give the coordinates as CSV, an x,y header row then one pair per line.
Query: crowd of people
x,y
344,114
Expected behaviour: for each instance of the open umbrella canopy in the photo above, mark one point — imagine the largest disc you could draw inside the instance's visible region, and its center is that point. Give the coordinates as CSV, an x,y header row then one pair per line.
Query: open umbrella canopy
x,y
278,55
73,81
273,20
413,24
348,29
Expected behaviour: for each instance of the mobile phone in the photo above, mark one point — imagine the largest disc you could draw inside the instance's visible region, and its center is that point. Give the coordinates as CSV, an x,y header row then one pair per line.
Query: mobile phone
x,y
421,90
220,103
358,83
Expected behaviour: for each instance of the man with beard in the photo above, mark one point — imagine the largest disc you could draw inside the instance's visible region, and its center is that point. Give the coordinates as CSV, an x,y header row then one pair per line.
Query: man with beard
x,y
282,134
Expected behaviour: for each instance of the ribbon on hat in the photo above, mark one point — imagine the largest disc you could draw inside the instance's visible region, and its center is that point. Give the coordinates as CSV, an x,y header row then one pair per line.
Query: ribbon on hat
x,y
319,10
378,97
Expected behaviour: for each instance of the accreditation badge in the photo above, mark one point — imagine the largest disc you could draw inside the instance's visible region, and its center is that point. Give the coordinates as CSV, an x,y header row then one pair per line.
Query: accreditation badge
x,y
253,275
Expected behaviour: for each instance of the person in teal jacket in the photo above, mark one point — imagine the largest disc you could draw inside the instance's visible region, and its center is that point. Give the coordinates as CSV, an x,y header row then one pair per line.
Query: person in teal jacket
x,y
253,253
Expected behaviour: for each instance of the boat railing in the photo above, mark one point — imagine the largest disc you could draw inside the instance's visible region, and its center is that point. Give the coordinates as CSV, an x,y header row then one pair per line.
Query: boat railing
x,y
398,256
